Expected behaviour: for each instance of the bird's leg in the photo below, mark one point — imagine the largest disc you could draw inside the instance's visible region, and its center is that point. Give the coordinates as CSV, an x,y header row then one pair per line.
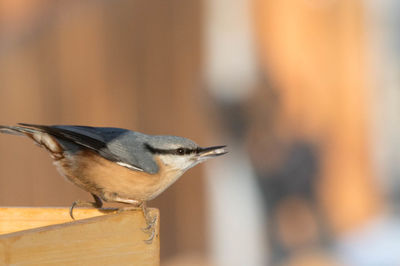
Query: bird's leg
x,y
78,203
150,221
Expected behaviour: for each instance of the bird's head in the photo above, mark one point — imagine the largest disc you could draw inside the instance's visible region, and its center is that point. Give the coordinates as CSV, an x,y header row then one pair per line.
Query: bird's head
x,y
181,153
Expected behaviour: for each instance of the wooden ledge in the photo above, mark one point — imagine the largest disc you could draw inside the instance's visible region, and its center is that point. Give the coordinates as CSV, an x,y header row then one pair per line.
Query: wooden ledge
x,y
49,236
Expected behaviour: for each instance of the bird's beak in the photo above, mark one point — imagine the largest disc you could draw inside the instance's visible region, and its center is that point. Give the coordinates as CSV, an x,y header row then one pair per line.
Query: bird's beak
x,y
209,152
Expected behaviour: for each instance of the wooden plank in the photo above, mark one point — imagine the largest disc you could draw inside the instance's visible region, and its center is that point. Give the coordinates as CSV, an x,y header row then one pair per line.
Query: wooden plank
x,y
114,239
21,218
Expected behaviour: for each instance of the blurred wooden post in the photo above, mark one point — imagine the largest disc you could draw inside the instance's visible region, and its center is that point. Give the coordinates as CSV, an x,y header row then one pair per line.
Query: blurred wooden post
x,y
314,52
114,239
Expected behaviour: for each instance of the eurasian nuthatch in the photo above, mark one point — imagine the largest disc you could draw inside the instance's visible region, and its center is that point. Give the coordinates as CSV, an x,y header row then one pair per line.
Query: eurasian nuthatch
x,y
114,164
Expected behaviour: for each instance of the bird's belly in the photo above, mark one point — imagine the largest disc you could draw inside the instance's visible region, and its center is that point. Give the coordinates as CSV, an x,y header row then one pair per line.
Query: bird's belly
x,y
111,181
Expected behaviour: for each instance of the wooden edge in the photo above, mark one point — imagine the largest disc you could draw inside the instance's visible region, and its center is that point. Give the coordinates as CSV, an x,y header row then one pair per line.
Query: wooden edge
x,y
111,239
13,219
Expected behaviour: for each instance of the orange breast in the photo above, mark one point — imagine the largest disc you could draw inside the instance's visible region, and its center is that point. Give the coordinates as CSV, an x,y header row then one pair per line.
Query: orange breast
x,y
109,180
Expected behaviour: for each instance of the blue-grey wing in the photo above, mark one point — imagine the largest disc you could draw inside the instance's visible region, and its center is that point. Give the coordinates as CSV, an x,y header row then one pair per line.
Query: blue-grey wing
x,y
121,146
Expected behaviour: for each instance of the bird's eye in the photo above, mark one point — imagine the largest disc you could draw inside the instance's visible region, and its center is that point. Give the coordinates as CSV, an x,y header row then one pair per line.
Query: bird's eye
x,y
180,151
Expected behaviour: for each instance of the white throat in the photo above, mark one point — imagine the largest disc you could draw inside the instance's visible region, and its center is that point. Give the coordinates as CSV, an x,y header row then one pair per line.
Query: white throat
x,y
177,162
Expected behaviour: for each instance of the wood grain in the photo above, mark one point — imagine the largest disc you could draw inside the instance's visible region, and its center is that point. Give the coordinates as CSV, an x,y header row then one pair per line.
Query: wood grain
x,y
114,239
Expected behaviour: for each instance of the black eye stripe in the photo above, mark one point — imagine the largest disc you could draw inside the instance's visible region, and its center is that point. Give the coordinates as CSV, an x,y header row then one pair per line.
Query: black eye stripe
x,y
179,151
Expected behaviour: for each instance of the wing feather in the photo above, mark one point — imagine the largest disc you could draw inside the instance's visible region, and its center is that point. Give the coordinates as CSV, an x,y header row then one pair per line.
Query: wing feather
x,y
87,138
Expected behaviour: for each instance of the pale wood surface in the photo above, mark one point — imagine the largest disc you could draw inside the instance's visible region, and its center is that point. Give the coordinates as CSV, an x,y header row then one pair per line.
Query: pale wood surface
x,y
21,218
113,239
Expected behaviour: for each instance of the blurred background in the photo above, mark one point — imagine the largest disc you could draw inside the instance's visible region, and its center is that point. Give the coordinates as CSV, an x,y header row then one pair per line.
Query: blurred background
x,y
306,94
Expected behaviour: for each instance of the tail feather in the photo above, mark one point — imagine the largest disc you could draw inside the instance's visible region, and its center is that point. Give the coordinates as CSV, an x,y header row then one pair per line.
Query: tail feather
x,y
40,137
16,130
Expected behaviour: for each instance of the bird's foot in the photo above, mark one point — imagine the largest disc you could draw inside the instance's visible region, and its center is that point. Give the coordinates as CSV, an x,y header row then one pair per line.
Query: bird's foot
x,y
79,203
150,229
151,221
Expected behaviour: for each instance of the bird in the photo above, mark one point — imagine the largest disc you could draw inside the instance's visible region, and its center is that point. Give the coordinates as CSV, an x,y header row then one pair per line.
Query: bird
x,y
116,164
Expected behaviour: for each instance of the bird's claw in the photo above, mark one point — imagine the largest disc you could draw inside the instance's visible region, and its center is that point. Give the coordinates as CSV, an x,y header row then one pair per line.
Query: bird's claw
x,y
150,239
150,225
150,221
150,228
79,203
